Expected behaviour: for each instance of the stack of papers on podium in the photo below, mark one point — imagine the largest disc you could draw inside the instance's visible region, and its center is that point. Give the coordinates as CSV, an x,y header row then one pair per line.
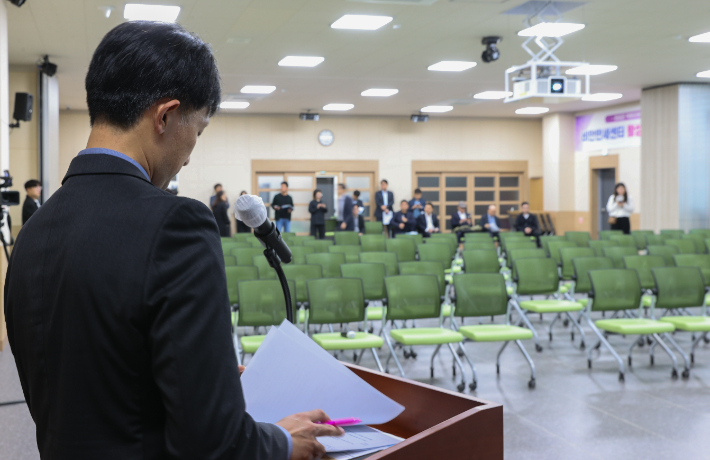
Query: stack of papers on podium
x,y
290,374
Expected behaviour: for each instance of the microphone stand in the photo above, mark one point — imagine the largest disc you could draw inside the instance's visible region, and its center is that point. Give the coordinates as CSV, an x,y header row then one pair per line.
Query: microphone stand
x,y
275,262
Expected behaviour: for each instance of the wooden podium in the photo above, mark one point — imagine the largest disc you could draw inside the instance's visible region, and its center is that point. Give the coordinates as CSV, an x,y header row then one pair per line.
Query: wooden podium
x,y
436,423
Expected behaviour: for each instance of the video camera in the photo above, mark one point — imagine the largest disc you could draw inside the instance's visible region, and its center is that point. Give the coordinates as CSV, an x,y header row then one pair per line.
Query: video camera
x,y
9,197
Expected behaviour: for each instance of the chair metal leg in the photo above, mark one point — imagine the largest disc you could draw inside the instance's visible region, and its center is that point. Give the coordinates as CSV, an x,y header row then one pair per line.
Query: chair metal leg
x,y
505,344
377,358
474,383
524,319
531,383
686,372
631,349
575,323
552,323
651,351
695,344
674,372
603,340
359,357
236,348
392,355
461,386
431,365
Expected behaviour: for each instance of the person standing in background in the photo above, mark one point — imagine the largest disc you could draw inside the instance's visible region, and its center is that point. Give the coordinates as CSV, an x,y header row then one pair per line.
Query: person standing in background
x,y
345,206
620,208
31,204
403,221
384,200
241,226
356,199
283,206
416,204
318,209
217,189
220,209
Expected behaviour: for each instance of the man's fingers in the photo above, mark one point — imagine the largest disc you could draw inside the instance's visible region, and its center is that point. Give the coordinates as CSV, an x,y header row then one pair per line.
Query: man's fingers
x,y
327,430
317,415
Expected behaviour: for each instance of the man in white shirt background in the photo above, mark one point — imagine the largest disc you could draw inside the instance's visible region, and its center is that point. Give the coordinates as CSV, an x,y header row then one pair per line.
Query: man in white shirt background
x,y
384,201
491,222
428,223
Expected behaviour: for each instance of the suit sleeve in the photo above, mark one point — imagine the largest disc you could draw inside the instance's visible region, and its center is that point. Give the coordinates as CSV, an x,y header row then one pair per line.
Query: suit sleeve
x,y
313,207
378,199
519,223
193,358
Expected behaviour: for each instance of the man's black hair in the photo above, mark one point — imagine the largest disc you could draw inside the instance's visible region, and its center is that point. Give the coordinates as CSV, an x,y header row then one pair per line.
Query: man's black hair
x,y
385,181
284,183
404,201
524,203
356,193
139,63
341,185
217,185
417,190
32,183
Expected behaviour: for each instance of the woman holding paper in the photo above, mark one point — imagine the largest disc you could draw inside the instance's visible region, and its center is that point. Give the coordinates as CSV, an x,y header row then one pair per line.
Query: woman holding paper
x,y
620,208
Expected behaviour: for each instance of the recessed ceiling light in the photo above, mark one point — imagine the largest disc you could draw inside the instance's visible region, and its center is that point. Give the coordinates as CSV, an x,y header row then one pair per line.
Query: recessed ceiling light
x,y
361,22
256,89
591,69
301,61
551,29
703,74
437,108
233,105
601,97
702,38
338,107
452,66
532,110
492,95
160,13
375,92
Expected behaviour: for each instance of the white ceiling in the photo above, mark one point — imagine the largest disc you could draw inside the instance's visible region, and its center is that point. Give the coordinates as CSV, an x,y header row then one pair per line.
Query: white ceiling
x,y
647,39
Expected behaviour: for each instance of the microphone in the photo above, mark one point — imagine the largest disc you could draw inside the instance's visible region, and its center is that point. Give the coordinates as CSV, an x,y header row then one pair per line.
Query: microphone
x,y
250,209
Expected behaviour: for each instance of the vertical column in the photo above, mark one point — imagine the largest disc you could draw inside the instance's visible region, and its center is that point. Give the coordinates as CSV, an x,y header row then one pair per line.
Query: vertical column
x,y
49,135
4,143
558,169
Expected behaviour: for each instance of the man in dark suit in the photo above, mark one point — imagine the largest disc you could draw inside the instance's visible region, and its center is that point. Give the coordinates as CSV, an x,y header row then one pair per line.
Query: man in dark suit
x,y
491,222
527,223
416,204
345,206
121,334
31,204
460,218
403,220
427,222
384,201
355,222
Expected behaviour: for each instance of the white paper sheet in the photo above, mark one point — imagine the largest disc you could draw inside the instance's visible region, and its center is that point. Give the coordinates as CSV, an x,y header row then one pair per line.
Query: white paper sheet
x,y
358,438
350,454
290,373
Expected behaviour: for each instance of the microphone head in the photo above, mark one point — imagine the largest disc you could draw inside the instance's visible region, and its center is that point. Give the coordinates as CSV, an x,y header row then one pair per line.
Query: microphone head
x,y
250,209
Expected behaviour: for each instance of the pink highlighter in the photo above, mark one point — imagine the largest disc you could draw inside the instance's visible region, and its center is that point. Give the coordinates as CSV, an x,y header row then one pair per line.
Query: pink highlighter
x,y
341,422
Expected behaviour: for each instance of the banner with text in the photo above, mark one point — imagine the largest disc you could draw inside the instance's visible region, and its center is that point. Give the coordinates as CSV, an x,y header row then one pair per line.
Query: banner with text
x,y
610,129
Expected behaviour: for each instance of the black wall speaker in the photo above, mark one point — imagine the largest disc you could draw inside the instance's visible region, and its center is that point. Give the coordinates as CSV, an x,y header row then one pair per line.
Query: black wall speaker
x,y
23,107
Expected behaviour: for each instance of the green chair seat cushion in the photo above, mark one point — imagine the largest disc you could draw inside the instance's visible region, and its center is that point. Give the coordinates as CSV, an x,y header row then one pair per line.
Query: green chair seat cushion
x,y
335,341
550,306
426,336
495,333
375,313
689,323
634,326
583,302
251,343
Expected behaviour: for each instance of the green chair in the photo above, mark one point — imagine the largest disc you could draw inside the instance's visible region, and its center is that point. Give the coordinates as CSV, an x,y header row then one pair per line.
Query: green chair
x,y
266,271
664,251
330,262
387,258
511,236
227,247
242,237
582,266
655,240
435,252
484,294
625,240
298,254
229,261
477,237
226,239
418,238
525,253
405,249
535,277
411,297
300,274
672,234
449,238
481,261
566,256
254,243
294,242
685,246
581,238
234,276
619,290
599,245
261,303
426,268
318,245
701,261
607,234
553,249
372,276
517,243
698,241
245,256
617,254
479,244
347,238
373,228
301,240
340,301
373,243
352,253
547,239
704,232
640,237
643,265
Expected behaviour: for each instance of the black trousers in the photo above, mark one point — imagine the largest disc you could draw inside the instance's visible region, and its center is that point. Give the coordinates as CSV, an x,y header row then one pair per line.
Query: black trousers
x,y
623,224
318,230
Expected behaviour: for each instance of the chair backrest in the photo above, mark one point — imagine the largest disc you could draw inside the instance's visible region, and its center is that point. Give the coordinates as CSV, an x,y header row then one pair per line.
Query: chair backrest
x,y
262,303
298,254
607,234
479,244
234,276
450,238
245,256
372,243
518,243
226,239
348,238
655,240
547,239
339,300
536,276
352,253
705,232
481,261
318,245
625,240
425,268
330,262
701,261
699,242
373,228
525,253
615,289
503,236
405,249
599,245
555,246
242,237
230,260
388,258
679,287
640,237
643,266
685,246
481,236
266,271
372,276
435,252
254,243
412,297
672,234
418,238
617,254
227,247
566,256
582,265
664,251
480,294
581,238
299,274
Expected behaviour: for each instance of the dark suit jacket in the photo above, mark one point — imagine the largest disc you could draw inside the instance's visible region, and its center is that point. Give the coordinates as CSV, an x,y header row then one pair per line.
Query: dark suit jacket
x,y
221,216
379,201
409,226
350,223
485,219
122,335
456,220
317,214
421,223
29,207
521,223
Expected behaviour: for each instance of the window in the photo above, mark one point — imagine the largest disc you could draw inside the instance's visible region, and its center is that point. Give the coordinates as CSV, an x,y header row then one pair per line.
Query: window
x,y
427,181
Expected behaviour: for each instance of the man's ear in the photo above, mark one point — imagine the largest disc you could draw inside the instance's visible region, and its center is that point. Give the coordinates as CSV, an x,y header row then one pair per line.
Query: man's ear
x,y
162,109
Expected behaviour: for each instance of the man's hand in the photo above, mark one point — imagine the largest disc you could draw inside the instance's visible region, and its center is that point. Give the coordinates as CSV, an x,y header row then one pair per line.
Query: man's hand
x,y
436,230
289,210
404,219
401,226
303,433
241,370
343,225
277,207
383,207
487,226
528,230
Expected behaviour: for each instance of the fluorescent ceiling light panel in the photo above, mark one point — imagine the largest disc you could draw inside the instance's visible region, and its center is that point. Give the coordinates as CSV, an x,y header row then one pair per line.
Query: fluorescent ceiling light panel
x,y
160,13
256,89
532,110
551,29
361,22
233,105
703,74
452,66
492,95
437,108
338,107
702,38
591,69
601,97
375,92
301,61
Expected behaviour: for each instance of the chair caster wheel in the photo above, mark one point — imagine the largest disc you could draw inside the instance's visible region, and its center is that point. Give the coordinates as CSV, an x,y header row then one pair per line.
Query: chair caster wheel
x,y
531,384
582,346
640,342
686,373
550,336
597,346
706,339
354,357
629,361
565,323
406,354
621,376
460,353
589,364
461,386
473,385
432,372
498,369
413,354
651,359
649,341
538,348
674,374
